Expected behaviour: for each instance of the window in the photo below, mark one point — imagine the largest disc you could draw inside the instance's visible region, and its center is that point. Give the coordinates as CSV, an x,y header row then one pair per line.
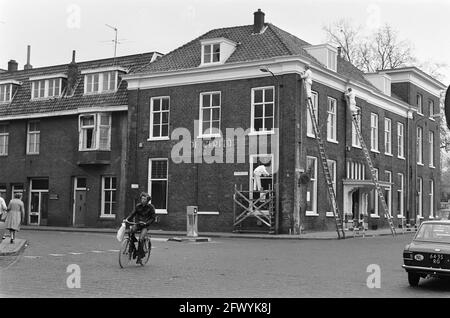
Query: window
x,y
211,53
4,137
263,106
157,183
388,191
159,117
311,191
400,195
95,132
109,203
309,126
374,132
210,114
46,88
419,196
332,56
332,120
431,149
431,109
387,136
419,145
100,82
332,169
419,104
355,170
400,140
431,199
5,93
33,136
373,200
355,140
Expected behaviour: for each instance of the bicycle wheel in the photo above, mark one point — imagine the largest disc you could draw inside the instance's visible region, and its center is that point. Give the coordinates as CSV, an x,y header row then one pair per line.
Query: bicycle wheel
x,y
147,250
125,257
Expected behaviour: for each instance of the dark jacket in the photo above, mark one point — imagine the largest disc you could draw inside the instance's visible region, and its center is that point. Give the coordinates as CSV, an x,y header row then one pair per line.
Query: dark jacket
x,y
143,213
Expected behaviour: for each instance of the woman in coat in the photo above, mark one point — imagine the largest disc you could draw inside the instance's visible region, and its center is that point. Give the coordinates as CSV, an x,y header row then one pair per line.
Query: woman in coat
x,y
16,213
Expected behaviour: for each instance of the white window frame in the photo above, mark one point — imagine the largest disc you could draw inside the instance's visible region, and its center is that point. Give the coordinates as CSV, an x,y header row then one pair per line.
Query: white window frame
x,y
332,166
401,193
431,194
161,111
331,60
355,140
374,132
5,136
376,198
110,190
420,196
149,185
389,191
96,132
388,136
46,82
431,148
419,145
332,120
400,140
202,107
7,93
419,101
309,125
314,187
102,76
36,135
210,48
252,124
431,109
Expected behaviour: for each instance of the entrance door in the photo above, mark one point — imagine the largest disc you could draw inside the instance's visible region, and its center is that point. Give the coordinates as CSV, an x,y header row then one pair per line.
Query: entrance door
x,y
79,202
355,205
38,202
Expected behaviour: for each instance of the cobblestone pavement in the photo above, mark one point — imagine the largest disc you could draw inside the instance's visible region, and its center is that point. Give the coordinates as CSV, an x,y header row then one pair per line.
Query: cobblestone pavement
x,y
221,268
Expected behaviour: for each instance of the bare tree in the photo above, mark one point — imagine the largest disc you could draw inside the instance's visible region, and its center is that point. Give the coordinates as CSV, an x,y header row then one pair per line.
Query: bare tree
x,y
344,34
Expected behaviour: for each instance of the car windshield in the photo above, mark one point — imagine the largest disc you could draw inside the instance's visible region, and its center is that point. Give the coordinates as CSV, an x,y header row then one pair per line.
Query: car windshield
x,y
434,232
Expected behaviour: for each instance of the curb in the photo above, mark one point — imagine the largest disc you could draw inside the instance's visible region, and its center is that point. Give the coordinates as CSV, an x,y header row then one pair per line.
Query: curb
x,y
22,245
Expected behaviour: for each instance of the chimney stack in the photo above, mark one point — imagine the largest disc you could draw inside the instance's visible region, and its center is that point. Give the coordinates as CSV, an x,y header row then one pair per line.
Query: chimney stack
x,y
258,23
339,51
72,75
28,66
12,66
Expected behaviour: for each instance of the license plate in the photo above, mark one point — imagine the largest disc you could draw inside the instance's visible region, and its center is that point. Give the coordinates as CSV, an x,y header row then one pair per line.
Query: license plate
x,y
437,258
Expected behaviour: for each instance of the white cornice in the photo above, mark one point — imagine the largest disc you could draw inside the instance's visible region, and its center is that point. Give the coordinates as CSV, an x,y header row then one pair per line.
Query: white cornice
x,y
10,81
49,76
279,66
67,112
104,69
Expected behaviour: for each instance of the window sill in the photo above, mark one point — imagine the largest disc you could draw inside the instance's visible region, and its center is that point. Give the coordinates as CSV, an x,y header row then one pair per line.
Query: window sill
x,y
89,150
158,138
400,216
356,146
374,216
432,167
208,213
420,164
107,216
3,155
310,213
388,154
100,93
329,214
161,211
402,158
32,153
257,133
311,136
431,217
375,151
333,141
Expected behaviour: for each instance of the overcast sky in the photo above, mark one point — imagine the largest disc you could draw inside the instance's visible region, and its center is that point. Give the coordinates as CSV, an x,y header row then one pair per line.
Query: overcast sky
x,y
54,28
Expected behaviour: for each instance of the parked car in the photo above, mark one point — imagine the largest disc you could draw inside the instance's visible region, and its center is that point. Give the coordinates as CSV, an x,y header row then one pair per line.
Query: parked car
x,y
429,252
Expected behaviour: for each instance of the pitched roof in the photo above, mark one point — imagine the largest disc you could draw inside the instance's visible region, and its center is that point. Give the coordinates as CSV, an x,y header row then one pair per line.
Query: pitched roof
x,y
273,42
22,104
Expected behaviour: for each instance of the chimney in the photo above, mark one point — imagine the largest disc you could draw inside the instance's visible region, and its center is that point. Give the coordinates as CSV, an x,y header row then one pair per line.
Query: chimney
x,y
72,75
258,23
339,53
28,66
12,66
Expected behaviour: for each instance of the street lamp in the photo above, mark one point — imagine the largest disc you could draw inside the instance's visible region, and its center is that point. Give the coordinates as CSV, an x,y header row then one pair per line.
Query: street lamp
x,y
265,69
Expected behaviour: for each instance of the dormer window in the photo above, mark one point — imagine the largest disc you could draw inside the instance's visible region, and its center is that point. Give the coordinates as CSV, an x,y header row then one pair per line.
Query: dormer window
x,y
103,80
211,53
216,51
5,93
47,86
332,60
325,54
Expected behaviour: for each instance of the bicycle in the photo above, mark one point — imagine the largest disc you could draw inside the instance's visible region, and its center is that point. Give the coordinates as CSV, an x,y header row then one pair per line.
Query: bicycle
x,y
128,250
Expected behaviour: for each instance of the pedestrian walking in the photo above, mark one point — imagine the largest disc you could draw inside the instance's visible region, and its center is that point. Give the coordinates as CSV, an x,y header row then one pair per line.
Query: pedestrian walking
x,y
307,77
16,213
3,213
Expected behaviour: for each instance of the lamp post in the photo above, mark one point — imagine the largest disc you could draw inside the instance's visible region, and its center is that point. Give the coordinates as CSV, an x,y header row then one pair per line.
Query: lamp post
x,y
265,69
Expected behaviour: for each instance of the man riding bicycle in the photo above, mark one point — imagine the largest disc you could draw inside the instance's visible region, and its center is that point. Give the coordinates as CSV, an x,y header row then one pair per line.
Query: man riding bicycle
x,y
144,215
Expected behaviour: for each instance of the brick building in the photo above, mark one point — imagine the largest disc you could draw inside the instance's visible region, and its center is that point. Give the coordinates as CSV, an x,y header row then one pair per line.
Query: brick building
x,y
249,77
63,139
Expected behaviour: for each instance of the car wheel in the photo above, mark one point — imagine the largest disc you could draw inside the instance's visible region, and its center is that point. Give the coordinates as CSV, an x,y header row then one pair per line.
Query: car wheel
x,y
413,279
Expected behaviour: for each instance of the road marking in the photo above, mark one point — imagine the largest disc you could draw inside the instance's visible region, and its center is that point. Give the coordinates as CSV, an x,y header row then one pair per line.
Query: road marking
x,y
32,257
57,255
73,253
158,239
98,252
114,251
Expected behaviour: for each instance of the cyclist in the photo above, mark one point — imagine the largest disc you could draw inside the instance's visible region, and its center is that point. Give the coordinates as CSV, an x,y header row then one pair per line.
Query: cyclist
x,y
144,215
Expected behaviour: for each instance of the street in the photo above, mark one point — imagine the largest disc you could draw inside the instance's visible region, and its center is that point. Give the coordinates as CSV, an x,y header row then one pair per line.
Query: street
x,y
224,267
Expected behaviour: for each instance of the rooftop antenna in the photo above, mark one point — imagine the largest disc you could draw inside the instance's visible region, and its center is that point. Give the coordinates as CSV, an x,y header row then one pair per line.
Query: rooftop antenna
x,y
115,39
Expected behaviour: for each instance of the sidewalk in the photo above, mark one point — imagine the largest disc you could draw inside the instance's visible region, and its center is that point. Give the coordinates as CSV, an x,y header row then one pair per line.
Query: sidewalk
x,y
329,235
8,249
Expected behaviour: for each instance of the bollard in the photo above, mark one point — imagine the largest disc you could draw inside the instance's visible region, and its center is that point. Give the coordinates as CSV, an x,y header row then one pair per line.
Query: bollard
x,y
191,214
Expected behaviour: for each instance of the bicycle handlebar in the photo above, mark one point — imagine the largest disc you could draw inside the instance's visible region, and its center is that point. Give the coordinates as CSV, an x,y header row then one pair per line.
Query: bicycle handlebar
x,y
133,223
